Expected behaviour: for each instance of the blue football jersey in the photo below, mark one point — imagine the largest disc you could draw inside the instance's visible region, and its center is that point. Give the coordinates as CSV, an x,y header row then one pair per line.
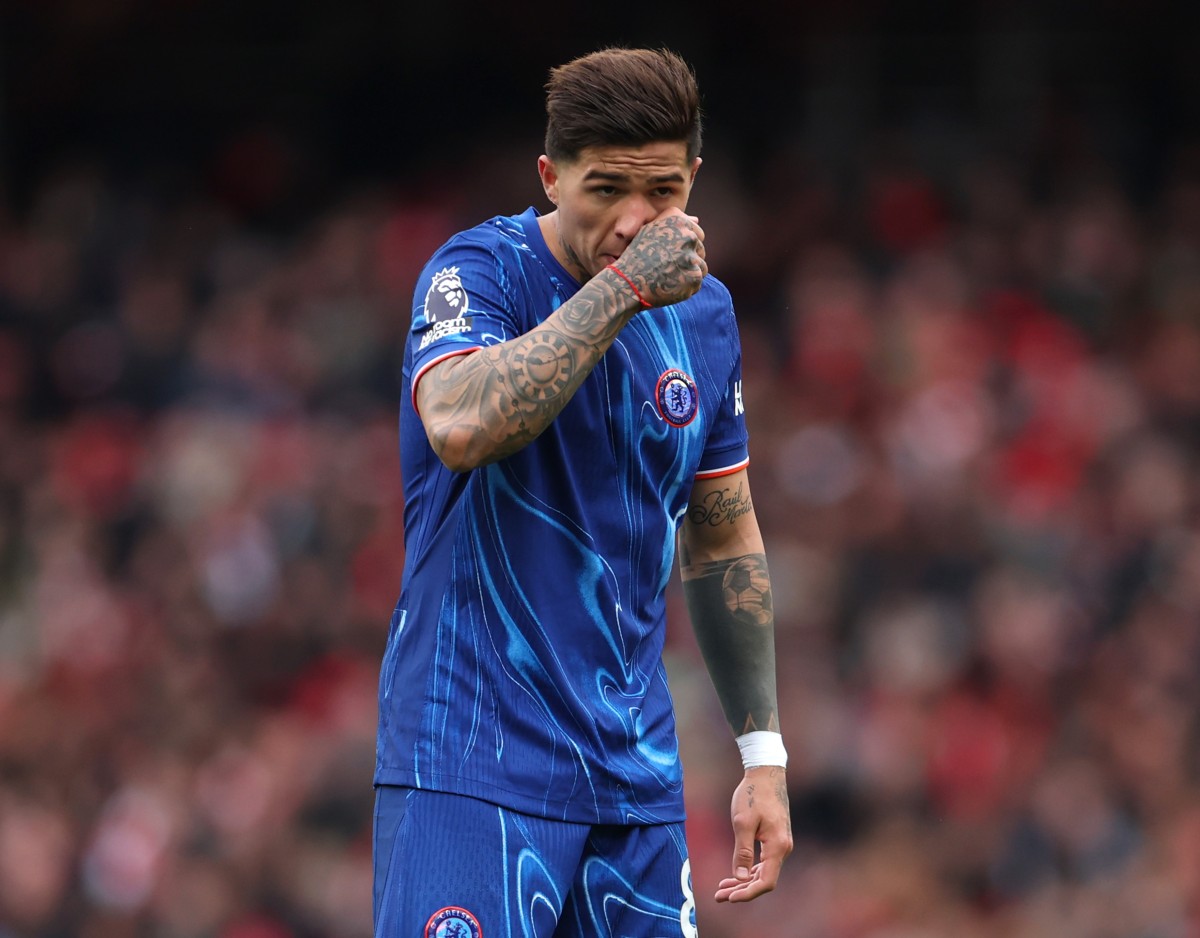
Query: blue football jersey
x,y
524,660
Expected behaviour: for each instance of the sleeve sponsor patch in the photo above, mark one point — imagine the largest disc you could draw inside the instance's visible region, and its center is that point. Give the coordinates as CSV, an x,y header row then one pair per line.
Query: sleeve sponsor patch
x,y
447,327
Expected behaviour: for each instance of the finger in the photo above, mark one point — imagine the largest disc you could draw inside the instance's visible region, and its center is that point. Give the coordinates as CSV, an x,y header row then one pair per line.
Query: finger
x,y
742,892
743,852
726,888
766,874
735,890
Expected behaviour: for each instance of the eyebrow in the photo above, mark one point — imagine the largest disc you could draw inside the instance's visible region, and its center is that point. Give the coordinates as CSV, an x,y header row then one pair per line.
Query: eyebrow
x,y
600,174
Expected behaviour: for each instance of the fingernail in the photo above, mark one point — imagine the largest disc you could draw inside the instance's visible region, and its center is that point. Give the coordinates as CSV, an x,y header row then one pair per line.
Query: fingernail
x,y
742,872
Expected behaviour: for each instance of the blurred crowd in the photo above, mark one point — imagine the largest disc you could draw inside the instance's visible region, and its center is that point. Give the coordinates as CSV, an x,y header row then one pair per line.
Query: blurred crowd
x,y
974,404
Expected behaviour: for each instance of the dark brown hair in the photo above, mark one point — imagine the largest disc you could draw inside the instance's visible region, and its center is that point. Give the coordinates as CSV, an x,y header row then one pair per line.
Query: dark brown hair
x,y
621,97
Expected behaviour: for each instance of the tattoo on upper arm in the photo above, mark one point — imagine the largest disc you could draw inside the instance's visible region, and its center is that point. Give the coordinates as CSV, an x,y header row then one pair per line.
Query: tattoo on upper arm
x,y
542,365
505,395
721,506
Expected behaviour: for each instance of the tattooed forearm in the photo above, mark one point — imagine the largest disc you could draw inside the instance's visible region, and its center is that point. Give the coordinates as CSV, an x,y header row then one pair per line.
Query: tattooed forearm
x,y
482,407
729,602
721,506
488,405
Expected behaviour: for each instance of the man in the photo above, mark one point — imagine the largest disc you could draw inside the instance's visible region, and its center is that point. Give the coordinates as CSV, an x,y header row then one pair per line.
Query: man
x,y
574,407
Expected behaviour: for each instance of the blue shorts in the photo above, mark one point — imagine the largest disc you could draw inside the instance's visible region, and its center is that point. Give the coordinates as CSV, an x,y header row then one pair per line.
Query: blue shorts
x,y
449,866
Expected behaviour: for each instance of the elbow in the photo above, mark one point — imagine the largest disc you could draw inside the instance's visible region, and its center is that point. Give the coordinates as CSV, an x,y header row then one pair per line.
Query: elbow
x,y
458,450
460,445
458,462
453,453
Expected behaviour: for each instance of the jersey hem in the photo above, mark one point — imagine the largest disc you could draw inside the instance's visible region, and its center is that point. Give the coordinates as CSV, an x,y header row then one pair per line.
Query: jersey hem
x,y
667,813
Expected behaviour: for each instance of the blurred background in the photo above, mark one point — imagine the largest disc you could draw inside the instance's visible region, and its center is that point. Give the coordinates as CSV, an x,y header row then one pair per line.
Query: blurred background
x,y
964,240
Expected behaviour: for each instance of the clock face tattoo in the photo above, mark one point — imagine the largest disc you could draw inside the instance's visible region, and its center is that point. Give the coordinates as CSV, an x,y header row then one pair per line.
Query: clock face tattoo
x,y
543,368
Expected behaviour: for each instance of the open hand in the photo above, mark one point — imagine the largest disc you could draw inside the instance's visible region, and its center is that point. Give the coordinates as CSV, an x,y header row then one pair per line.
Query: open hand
x,y
761,817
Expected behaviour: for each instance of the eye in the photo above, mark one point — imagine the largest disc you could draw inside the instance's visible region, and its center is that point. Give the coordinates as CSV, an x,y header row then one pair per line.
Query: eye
x,y
663,192
605,192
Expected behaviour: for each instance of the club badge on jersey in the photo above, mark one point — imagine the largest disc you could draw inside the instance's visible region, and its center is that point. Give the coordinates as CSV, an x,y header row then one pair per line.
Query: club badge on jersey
x,y
453,922
676,397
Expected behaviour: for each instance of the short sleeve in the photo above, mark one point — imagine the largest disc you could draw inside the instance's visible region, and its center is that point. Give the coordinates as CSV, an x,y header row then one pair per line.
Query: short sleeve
x,y
462,301
727,449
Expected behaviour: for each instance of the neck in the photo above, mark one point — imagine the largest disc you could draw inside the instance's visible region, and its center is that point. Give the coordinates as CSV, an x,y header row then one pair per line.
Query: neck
x,y
559,248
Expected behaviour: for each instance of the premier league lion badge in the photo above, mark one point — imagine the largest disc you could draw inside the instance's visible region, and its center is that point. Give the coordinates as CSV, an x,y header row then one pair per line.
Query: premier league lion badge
x,y
446,298
676,397
453,922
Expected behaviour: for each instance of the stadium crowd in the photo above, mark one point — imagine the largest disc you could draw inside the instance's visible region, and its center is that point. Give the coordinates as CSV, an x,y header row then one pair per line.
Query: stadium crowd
x,y
974,399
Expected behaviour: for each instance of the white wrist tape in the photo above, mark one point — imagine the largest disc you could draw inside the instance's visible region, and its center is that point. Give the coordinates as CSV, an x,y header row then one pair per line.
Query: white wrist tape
x,y
762,748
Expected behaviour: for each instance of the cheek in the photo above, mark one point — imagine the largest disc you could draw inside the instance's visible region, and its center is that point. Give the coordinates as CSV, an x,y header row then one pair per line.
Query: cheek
x,y
584,228
595,225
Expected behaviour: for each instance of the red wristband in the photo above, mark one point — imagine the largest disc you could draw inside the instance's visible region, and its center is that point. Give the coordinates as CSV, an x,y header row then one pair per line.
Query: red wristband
x,y
615,269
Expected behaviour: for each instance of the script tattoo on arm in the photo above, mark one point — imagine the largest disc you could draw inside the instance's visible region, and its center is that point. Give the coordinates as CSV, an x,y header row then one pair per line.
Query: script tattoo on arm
x,y
721,506
729,603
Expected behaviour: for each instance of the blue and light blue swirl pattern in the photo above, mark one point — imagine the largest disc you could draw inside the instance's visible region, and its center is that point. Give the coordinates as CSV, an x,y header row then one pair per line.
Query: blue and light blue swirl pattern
x,y
447,860
524,662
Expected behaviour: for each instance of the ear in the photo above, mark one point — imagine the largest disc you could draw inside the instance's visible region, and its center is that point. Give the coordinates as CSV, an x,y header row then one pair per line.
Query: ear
x,y
549,177
695,169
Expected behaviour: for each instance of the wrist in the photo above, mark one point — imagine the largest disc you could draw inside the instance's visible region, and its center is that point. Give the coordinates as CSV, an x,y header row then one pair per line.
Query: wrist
x,y
762,748
629,284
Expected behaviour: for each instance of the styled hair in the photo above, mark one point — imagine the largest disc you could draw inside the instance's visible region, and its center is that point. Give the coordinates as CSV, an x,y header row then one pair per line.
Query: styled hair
x,y
621,97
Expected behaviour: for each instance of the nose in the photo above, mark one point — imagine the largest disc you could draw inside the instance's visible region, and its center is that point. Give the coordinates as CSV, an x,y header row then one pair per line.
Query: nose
x,y
636,212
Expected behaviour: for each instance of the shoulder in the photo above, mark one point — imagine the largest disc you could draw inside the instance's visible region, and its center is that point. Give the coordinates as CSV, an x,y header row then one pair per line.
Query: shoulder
x,y
493,251
712,302
714,292
478,241
501,234
482,250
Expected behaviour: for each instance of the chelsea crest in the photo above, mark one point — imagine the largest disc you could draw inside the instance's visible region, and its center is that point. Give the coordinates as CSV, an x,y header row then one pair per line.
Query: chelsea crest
x,y
453,922
676,397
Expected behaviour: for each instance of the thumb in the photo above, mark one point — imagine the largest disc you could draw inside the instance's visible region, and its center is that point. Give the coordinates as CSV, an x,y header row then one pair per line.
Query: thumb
x,y
743,853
